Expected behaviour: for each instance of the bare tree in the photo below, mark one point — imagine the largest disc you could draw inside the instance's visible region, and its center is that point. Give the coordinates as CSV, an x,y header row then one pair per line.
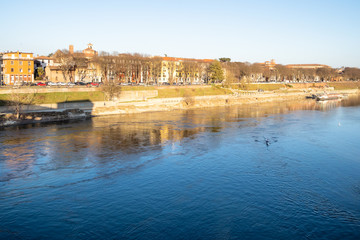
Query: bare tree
x,y
66,64
19,100
81,66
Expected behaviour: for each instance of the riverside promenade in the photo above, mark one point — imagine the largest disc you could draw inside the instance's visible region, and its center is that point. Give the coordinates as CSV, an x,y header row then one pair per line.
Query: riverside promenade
x,y
130,102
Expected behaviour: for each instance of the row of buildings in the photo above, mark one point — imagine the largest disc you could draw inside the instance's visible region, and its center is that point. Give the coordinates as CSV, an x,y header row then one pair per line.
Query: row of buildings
x,y
21,67
71,66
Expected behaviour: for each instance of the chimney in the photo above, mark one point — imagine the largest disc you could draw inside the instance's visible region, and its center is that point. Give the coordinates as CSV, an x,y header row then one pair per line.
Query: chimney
x,y
71,49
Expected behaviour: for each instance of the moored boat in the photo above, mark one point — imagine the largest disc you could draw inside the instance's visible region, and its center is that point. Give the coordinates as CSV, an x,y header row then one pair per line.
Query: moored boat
x,y
329,96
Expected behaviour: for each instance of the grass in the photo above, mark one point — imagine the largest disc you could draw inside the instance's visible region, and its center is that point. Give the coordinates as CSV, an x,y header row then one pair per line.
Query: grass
x,y
265,87
57,97
137,88
344,85
191,92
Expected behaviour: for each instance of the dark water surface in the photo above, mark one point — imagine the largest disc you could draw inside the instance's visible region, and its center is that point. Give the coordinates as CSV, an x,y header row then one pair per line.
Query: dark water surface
x,y
274,171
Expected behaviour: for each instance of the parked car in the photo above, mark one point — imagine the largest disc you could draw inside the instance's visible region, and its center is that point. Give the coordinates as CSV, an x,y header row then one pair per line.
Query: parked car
x,y
61,84
70,84
93,84
80,83
41,84
52,84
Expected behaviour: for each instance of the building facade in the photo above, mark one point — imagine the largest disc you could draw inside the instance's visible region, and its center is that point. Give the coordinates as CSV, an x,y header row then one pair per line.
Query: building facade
x,y
17,67
182,70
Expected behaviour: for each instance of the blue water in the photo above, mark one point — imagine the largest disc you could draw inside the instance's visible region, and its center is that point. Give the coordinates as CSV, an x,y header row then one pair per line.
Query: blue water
x,y
275,171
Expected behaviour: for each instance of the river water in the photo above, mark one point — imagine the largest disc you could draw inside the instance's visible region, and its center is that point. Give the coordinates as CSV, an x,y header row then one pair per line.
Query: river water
x,y
268,171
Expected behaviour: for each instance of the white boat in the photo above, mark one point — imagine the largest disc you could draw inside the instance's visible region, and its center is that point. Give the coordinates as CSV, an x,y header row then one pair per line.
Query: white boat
x,y
329,96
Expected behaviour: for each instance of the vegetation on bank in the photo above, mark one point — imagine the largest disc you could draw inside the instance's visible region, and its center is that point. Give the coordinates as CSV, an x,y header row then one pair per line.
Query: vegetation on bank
x,y
186,92
166,92
163,92
265,87
345,85
57,97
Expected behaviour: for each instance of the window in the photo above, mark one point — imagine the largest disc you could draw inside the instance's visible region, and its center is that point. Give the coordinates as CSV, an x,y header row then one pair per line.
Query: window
x,y
21,70
12,78
12,70
20,55
28,55
20,62
21,78
12,62
29,63
29,70
29,77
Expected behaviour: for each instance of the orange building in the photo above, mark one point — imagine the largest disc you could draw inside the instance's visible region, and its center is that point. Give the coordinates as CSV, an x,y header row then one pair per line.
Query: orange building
x,y
17,67
89,52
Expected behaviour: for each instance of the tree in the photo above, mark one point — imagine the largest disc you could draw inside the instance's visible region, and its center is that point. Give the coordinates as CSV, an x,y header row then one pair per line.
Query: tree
x,y
223,59
81,66
106,64
352,73
18,100
39,74
171,69
66,64
155,69
111,90
230,79
324,73
216,72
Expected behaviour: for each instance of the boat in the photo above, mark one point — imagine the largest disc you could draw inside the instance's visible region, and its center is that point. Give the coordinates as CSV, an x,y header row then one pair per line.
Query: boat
x,y
329,96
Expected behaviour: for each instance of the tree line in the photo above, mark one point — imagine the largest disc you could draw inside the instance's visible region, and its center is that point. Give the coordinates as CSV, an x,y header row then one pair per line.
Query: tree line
x,y
134,68
240,72
141,68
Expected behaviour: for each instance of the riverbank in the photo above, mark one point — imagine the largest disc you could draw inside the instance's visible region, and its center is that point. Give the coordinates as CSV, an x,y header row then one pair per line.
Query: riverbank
x,y
86,109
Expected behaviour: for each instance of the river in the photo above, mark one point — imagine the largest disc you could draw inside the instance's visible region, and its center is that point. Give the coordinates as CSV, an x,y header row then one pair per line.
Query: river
x,y
268,171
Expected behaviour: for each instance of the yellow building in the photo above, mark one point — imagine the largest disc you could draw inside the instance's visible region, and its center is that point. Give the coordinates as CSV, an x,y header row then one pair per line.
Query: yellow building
x,y
182,70
17,67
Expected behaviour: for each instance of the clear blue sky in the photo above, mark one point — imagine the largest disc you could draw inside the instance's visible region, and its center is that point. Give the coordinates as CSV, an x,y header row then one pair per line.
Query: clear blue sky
x,y
315,31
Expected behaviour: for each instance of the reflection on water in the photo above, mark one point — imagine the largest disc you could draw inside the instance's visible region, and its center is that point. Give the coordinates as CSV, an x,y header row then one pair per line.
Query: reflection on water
x,y
274,170
103,139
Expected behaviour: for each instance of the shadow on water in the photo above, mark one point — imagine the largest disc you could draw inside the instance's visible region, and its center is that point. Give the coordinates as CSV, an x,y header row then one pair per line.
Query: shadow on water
x,y
37,116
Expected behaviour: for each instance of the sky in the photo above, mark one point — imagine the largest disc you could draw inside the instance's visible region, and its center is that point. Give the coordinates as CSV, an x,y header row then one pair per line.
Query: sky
x,y
291,32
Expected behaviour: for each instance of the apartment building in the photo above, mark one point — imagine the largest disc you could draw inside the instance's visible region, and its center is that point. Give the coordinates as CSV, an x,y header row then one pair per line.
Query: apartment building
x,y
182,70
17,67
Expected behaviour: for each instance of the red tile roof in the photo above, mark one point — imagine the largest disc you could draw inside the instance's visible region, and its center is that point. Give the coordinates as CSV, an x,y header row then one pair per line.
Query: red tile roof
x,y
186,59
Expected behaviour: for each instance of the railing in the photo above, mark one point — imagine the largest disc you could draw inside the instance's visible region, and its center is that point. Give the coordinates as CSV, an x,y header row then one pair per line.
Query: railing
x,y
17,58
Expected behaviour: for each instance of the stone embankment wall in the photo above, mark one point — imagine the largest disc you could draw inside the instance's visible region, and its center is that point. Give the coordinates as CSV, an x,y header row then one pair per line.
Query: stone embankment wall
x,y
71,110
38,117
47,90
